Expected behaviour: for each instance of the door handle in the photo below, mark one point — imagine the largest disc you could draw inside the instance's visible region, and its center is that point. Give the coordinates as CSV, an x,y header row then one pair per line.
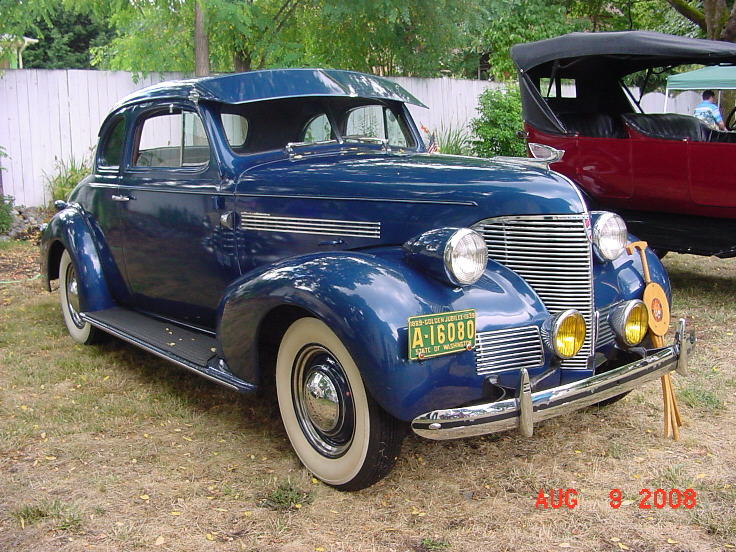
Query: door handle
x,y
229,220
116,197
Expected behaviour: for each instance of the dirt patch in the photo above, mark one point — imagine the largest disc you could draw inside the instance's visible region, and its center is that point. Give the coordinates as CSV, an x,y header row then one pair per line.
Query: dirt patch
x,y
107,448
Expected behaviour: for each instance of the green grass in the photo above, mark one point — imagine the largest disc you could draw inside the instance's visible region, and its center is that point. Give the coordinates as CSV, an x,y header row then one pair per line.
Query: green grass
x,y
64,516
671,477
287,497
434,544
701,399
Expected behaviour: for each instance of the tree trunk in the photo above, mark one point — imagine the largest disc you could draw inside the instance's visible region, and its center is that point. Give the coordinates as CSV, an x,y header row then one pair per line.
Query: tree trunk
x,y
201,42
714,19
242,62
690,12
729,29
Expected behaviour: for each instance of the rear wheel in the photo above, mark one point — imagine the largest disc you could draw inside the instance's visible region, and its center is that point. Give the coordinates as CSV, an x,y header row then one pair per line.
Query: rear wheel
x,y
338,431
81,331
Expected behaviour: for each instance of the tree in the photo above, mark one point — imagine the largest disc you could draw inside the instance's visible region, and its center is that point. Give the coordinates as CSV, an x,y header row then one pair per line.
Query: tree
x,y
157,35
714,17
19,17
387,37
382,36
65,39
509,22
201,42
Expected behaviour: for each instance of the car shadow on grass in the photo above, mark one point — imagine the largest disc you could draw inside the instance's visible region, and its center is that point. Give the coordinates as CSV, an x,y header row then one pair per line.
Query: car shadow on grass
x,y
257,411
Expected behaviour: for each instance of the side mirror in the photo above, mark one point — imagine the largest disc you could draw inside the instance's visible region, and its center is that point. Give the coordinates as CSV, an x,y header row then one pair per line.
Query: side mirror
x,y
545,154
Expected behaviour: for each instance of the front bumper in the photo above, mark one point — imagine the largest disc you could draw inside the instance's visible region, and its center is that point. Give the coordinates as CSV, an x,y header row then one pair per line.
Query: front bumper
x,y
528,408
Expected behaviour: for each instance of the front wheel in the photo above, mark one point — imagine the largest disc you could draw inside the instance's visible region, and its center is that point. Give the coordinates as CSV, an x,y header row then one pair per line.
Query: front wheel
x,y
81,331
338,431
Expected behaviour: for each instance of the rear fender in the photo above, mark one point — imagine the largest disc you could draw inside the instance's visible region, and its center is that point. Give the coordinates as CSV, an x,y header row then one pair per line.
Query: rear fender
x,y
71,230
366,299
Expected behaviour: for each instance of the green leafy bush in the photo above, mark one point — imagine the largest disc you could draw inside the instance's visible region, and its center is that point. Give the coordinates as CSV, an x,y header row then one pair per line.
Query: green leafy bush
x,y
67,176
498,122
6,213
453,140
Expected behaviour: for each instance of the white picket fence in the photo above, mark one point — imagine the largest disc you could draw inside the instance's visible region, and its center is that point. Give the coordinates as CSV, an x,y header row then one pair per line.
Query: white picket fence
x,y
47,116
50,116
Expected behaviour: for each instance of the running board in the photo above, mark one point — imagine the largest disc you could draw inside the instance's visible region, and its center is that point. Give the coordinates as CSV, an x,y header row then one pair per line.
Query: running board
x,y
190,349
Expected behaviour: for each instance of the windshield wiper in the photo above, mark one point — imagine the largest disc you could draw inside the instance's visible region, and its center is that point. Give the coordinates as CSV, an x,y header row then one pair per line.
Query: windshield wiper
x,y
289,147
369,140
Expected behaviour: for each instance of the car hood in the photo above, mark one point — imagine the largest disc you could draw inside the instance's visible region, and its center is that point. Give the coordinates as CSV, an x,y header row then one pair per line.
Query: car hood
x,y
462,189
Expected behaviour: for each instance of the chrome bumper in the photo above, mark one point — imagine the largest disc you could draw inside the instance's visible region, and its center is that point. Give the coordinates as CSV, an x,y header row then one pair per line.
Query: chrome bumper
x,y
527,409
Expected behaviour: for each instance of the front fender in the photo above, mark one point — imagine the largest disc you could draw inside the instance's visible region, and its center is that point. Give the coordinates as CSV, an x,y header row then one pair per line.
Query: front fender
x,y
623,278
366,299
70,229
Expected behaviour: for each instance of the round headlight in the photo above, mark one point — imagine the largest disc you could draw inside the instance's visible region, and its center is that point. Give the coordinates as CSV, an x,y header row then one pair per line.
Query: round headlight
x,y
568,333
609,236
630,321
465,256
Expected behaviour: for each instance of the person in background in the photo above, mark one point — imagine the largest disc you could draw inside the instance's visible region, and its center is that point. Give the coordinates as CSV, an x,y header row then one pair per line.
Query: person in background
x,y
708,112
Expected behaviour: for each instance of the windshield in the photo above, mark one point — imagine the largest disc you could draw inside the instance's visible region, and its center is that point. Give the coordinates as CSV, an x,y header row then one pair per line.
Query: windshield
x,y
288,123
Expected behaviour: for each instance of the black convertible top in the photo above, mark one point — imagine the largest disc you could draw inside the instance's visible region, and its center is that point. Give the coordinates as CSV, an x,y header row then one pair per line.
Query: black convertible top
x,y
622,52
597,63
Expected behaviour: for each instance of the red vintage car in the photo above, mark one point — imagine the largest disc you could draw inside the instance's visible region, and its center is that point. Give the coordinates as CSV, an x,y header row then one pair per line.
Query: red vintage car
x,y
670,176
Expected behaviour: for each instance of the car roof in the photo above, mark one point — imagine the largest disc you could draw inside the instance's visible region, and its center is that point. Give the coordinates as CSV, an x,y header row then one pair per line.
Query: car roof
x,y
622,52
270,84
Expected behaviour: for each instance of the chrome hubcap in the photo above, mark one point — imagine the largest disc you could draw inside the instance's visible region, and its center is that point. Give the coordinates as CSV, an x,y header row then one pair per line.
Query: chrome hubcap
x,y
323,406
72,296
323,401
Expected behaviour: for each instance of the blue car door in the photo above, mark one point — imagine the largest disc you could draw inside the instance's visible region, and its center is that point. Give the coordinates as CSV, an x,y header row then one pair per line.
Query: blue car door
x,y
179,256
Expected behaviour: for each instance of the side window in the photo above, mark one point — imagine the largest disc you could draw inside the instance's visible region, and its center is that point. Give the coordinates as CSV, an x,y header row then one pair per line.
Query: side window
x,y
376,121
318,129
394,132
560,88
172,140
111,150
365,121
236,129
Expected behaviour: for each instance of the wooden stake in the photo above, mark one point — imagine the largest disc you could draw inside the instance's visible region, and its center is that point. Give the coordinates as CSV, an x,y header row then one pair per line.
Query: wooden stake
x,y
672,419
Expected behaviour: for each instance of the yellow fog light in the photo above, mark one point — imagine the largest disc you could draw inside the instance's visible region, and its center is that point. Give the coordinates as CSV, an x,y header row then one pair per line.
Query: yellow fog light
x,y
568,333
630,321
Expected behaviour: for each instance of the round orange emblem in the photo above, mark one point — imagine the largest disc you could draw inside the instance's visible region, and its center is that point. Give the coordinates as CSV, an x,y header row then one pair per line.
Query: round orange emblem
x,y
659,310
656,309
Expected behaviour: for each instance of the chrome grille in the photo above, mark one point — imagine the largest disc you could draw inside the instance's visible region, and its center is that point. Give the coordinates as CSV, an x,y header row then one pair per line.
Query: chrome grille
x,y
606,336
265,222
553,254
511,348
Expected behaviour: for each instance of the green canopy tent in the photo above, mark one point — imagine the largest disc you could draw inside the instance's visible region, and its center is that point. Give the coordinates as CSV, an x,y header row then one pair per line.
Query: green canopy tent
x,y
716,77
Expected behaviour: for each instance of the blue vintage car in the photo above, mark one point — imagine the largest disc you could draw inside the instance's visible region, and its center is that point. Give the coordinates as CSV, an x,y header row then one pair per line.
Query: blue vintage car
x,y
287,229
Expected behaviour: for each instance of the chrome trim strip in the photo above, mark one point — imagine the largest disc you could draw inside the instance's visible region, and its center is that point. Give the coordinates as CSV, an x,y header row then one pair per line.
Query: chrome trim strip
x,y
515,413
264,222
167,189
375,199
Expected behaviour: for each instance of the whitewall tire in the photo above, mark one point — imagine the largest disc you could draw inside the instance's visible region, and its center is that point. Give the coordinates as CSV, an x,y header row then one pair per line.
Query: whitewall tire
x,y
338,431
81,331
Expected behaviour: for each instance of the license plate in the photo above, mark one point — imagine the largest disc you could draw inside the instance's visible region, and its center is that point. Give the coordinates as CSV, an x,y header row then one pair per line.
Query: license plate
x,y
432,335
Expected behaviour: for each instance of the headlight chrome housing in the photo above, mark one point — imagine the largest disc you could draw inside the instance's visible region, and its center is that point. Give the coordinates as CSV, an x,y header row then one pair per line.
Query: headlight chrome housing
x,y
630,322
456,256
567,333
609,236
466,257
